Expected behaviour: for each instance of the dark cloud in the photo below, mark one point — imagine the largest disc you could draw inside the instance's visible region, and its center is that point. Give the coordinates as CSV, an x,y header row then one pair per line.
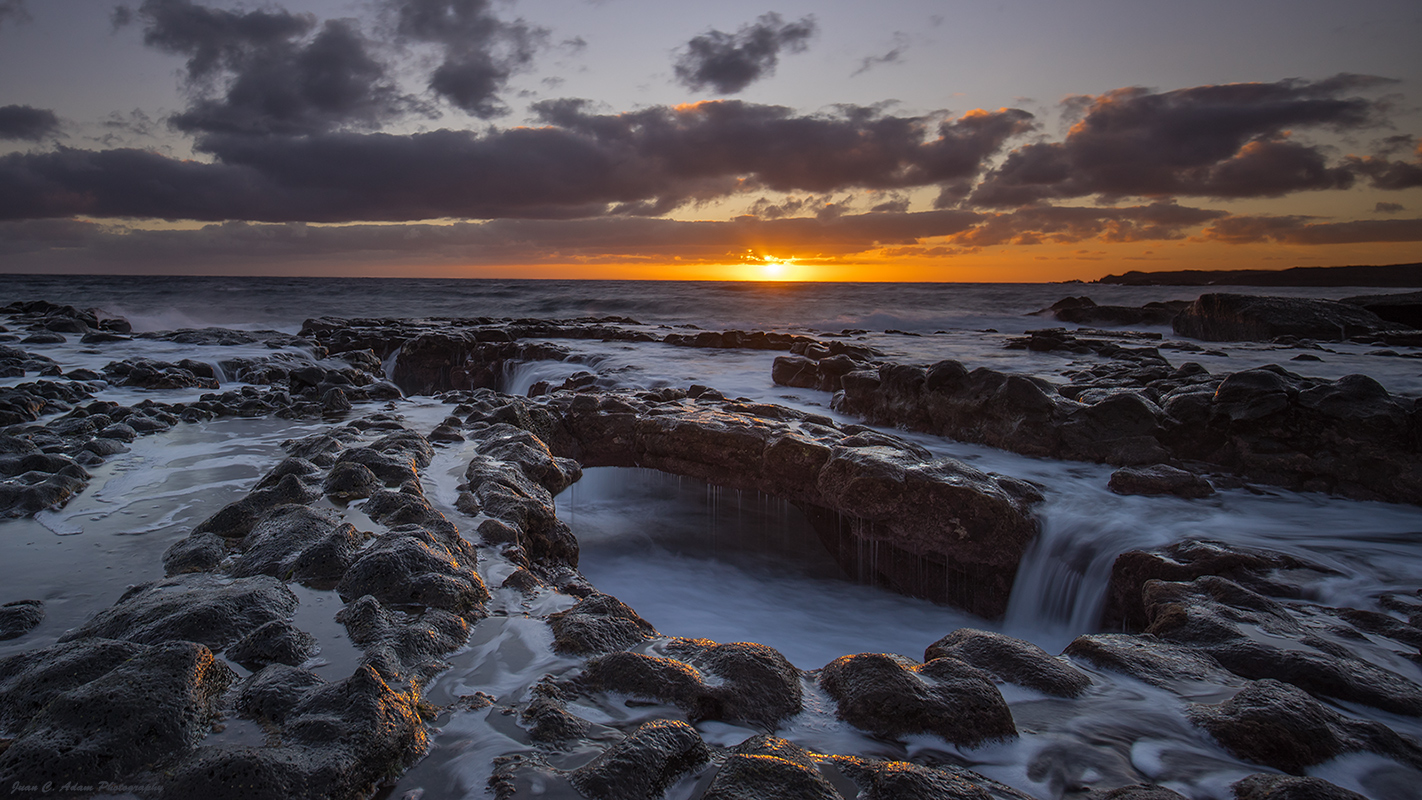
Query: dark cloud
x,y
1223,141
1389,208
1304,230
728,63
893,56
270,71
78,245
1384,173
13,11
480,50
1066,224
26,123
643,162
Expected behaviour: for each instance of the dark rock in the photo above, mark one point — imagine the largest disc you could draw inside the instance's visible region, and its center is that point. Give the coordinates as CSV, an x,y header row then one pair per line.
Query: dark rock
x,y
766,768
412,565
273,691
598,624
141,712
1147,659
349,480
296,543
900,780
1404,309
200,552
44,337
235,520
1159,479
1265,786
1237,317
1012,660
1141,791
197,608
549,722
405,507
1281,726
756,684
19,617
276,642
393,469
1186,561
891,696
1222,619
643,764
299,467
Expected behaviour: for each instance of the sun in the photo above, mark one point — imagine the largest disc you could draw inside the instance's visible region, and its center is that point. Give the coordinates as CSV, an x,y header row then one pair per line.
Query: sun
x,y
771,268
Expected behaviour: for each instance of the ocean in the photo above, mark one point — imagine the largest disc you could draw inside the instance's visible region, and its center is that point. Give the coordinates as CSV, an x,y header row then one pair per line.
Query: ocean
x,y
697,560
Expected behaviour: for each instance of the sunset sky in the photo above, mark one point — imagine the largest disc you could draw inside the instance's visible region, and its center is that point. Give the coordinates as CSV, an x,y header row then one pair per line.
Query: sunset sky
x,y
1018,140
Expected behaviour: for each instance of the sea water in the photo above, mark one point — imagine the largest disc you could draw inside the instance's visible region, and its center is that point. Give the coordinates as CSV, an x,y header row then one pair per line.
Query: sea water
x,y
698,560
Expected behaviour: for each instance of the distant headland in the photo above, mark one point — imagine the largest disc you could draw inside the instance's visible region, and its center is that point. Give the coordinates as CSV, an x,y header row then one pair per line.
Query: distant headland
x,y
1409,275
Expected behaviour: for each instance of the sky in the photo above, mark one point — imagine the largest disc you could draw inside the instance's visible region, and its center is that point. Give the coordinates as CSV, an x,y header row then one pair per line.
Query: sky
x,y
917,140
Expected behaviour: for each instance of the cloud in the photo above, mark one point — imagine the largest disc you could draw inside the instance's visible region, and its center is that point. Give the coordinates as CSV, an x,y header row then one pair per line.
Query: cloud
x,y
481,52
1389,208
26,123
77,245
893,56
728,63
269,72
1226,141
1388,174
1066,224
1303,230
580,164
14,10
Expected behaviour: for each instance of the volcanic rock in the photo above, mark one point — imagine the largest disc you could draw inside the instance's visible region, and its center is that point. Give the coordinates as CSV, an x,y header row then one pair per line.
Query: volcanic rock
x,y
1239,317
891,696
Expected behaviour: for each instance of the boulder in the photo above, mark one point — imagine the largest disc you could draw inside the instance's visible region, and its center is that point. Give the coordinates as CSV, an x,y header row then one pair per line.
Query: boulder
x,y
297,543
196,608
891,696
767,768
413,565
19,617
643,764
1159,479
599,623
1266,786
1012,660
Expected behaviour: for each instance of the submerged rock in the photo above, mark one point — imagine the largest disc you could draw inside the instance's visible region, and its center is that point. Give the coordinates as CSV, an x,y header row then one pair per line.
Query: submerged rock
x,y
1012,660
19,617
767,768
1159,479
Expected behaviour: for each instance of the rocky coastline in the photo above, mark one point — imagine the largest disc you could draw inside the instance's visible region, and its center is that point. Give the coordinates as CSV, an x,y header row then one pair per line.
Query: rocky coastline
x,y
133,696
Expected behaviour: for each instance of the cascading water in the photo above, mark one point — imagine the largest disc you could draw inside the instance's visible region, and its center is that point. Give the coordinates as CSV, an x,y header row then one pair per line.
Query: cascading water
x,y
519,376
388,365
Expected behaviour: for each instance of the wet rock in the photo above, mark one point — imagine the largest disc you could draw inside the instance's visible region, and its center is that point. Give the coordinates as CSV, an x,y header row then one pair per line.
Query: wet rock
x,y
900,780
197,608
939,528
891,696
643,764
1404,309
299,467
1141,791
146,373
143,711
393,469
1237,628
1012,660
1281,726
549,722
339,740
1147,659
273,691
349,480
507,443
44,337
1237,317
1265,786
1159,479
1252,568
405,507
412,565
767,768
599,623
296,543
200,552
276,642
754,683
19,617
236,519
